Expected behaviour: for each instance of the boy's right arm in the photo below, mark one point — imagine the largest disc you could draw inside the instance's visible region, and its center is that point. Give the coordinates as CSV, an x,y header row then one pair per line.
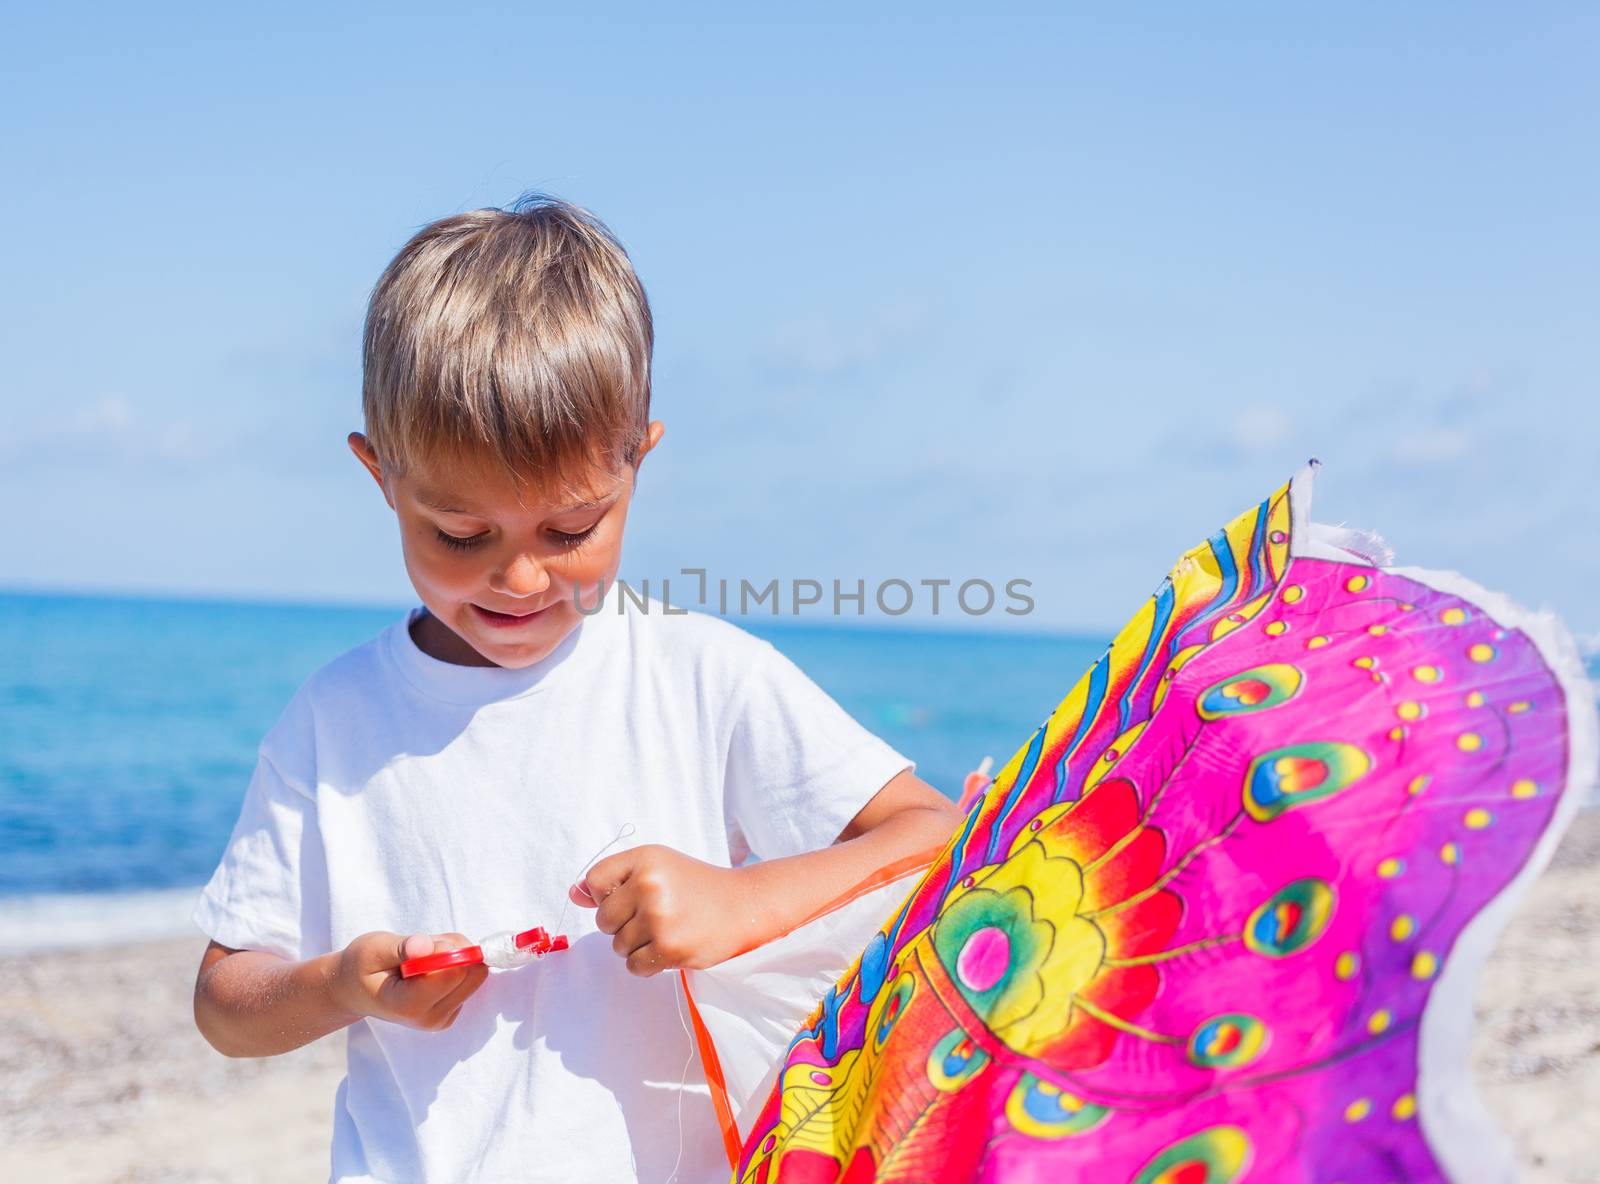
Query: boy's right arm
x,y
248,1003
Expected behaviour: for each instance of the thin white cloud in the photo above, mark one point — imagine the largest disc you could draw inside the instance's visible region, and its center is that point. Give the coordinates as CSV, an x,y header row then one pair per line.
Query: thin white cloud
x,y
111,414
1262,428
825,345
177,441
105,434
1433,446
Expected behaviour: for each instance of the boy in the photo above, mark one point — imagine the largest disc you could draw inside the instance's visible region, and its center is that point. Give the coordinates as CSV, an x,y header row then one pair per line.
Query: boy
x,y
456,772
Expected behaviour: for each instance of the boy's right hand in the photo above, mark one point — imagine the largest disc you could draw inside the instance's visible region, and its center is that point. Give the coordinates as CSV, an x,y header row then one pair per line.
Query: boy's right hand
x,y
366,980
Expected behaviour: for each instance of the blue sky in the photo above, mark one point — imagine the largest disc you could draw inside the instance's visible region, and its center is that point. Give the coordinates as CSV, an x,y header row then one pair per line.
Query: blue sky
x,y
996,292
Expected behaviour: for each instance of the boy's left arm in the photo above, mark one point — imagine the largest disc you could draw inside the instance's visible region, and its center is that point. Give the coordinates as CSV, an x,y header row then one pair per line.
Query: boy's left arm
x,y
667,910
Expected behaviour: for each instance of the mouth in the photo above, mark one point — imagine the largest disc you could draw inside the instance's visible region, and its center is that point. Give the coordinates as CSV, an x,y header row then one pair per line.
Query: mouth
x,y
508,620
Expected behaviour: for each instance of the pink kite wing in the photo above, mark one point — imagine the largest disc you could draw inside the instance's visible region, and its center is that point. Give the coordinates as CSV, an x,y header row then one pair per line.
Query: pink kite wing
x,y
1221,917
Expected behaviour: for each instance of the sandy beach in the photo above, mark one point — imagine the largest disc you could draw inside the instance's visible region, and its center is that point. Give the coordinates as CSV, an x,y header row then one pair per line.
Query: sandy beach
x,y
103,1077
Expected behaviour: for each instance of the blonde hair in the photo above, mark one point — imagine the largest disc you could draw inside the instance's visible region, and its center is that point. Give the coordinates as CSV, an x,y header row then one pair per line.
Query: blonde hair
x,y
520,335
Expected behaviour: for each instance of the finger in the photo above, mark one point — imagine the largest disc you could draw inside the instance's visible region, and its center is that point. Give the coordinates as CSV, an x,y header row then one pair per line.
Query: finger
x,y
442,981
610,873
408,1000
420,992
631,936
644,962
615,911
471,980
380,951
418,945
579,895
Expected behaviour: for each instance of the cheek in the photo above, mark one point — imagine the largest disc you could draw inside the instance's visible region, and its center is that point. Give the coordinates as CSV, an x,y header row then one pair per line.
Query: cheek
x,y
588,566
432,568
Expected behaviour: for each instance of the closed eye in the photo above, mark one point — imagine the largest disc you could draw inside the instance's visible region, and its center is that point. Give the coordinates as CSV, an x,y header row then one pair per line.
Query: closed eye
x,y
570,539
457,543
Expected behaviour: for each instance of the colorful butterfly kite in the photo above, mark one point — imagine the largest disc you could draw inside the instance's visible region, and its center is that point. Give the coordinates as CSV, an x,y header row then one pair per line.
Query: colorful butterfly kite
x,y
1220,919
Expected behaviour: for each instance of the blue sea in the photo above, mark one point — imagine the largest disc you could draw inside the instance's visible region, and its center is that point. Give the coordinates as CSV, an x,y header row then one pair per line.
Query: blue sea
x,y
128,731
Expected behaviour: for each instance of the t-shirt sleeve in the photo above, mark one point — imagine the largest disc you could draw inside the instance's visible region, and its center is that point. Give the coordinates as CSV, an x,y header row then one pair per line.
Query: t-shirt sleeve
x,y
270,892
799,767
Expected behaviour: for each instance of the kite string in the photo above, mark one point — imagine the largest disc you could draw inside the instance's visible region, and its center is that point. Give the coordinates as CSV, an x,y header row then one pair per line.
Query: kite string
x,y
623,832
683,1080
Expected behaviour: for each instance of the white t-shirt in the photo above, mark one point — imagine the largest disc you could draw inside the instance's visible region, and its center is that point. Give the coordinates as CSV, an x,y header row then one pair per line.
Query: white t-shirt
x,y
402,793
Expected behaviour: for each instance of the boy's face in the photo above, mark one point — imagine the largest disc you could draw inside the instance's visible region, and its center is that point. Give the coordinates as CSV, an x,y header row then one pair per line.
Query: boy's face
x,y
498,562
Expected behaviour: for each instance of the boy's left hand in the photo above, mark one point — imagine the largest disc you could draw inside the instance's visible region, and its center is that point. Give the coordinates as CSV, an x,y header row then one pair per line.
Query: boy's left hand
x,y
666,910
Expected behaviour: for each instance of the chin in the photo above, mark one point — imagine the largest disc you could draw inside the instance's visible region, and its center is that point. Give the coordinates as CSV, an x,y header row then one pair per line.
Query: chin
x,y
516,654
518,657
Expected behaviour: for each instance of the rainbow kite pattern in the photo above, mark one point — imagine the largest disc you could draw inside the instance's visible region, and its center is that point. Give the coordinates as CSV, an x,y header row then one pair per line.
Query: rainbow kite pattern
x,y
1189,933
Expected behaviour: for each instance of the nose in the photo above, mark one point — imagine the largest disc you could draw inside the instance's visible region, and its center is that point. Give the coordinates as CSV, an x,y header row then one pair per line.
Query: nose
x,y
523,576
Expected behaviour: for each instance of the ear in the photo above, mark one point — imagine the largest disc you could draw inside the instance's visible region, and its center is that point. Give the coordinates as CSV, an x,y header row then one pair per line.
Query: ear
x,y
653,432
364,452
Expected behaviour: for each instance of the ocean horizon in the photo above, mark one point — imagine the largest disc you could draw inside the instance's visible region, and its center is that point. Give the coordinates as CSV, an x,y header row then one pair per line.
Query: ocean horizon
x,y
129,726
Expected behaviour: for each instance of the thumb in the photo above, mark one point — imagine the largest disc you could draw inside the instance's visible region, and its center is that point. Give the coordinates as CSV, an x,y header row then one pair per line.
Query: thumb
x,y
578,894
418,945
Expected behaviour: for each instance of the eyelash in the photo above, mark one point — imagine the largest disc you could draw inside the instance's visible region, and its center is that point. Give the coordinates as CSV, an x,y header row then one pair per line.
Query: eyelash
x,y
456,543
573,540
